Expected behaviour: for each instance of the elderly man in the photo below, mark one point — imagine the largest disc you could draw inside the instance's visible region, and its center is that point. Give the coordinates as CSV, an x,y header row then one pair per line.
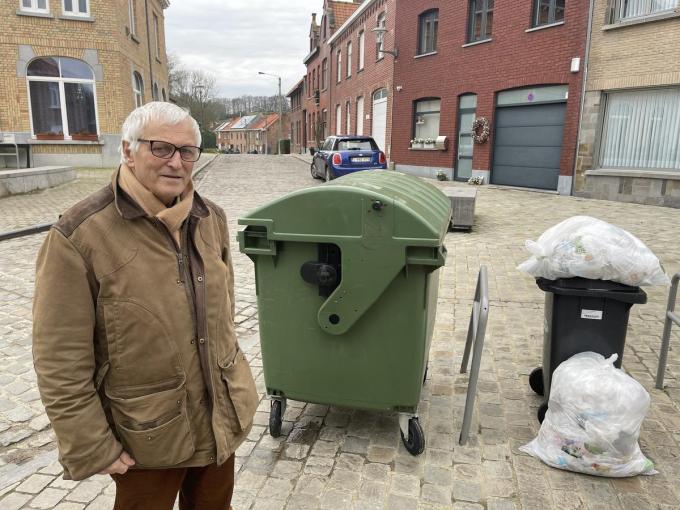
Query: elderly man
x,y
138,364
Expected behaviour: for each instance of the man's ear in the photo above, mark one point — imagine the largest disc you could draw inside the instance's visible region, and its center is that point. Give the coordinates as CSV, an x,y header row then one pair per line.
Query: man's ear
x,y
128,155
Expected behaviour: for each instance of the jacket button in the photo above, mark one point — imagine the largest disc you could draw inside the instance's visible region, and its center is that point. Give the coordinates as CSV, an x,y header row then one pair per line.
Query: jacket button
x,y
179,282
179,402
201,340
148,438
200,278
212,458
193,341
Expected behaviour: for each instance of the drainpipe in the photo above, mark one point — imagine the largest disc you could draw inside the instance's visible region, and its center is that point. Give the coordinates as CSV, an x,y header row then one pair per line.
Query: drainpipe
x,y
583,89
148,45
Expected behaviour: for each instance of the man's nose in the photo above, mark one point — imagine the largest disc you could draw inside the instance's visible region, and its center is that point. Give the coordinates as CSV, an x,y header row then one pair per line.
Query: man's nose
x,y
175,161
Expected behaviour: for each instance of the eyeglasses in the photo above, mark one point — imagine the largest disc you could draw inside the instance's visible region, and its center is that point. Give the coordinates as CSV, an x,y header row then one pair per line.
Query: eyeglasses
x,y
166,150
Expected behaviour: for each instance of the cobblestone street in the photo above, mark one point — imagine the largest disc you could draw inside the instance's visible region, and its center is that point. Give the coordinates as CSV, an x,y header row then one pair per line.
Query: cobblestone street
x,y
333,458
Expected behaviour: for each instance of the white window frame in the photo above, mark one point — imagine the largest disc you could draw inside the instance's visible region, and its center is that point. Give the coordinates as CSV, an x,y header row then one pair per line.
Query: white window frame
x,y
348,120
381,22
349,59
138,92
360,115
34,7
339,65
338,119
76,8
62,98
362,49
132,17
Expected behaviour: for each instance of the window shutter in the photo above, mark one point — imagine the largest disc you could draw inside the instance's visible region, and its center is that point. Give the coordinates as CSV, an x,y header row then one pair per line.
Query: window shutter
x,y
610,13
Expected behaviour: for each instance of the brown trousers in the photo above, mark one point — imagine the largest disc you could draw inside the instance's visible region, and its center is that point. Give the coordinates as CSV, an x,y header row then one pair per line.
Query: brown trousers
x,y
200,488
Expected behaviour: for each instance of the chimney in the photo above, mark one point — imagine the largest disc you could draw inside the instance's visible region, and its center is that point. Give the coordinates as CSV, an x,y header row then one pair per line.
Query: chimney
x,y
314,18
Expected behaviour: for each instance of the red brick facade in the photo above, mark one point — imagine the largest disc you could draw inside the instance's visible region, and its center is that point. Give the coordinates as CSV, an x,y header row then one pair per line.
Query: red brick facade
x,y
362,83
515,57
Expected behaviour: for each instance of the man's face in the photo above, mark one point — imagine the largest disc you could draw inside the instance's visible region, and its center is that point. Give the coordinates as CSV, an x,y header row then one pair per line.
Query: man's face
x,y
165,178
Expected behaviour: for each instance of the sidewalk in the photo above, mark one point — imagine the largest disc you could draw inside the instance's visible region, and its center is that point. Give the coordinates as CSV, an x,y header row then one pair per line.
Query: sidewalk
x,y
334,458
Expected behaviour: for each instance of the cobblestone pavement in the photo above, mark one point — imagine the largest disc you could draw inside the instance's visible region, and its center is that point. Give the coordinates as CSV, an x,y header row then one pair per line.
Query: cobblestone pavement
x,y
339,458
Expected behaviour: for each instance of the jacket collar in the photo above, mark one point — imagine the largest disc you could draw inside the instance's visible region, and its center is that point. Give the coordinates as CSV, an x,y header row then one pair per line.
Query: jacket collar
x,y
129,209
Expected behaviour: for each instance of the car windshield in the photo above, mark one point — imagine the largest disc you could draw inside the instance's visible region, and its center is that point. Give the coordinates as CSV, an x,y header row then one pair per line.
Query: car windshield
x,y
355,145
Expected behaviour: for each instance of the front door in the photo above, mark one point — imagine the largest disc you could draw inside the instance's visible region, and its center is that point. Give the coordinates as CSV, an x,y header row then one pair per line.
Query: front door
x,y
379,124
467,107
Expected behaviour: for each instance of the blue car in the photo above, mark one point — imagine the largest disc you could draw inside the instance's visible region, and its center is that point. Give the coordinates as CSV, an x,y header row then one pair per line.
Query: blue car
x,y
344,154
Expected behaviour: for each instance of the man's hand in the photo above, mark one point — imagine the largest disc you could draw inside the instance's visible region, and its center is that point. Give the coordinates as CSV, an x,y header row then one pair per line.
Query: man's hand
x,y
120,465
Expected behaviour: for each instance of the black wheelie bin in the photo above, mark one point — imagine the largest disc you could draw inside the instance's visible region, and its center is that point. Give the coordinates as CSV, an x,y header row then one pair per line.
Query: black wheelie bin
x,y
581,315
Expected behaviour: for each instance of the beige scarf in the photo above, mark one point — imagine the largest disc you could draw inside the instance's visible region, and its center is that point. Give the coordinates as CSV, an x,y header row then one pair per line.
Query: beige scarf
x,y
173,216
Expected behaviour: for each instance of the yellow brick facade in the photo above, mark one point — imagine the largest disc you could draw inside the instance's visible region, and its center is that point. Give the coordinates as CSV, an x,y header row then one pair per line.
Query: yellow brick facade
x,y
107,40
642,53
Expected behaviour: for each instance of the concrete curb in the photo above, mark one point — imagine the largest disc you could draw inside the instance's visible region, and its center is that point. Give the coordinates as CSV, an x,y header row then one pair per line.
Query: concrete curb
x,y
303,157
203,164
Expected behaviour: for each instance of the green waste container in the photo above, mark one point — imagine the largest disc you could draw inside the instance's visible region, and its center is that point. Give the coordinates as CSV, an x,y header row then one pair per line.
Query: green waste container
x,y
346,280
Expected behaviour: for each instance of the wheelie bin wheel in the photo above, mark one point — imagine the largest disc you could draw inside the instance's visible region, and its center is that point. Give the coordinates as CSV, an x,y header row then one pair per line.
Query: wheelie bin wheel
x,y
536,381
275,418
541,412
415,444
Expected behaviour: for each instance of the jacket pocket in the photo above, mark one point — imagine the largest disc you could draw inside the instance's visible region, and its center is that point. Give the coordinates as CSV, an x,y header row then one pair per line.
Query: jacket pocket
x,y
241,388
154,428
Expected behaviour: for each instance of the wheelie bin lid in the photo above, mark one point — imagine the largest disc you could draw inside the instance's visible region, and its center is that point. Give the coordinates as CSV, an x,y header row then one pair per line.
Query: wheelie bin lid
x,y
585,287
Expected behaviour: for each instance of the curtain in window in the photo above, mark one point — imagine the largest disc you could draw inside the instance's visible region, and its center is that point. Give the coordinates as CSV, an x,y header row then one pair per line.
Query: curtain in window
x,y
80,109
46,108
427,118
634,8
642,130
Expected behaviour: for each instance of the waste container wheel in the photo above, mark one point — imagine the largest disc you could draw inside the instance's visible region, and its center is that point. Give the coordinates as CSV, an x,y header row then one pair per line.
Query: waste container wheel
x,y
536,381
541,412
415,444
275,418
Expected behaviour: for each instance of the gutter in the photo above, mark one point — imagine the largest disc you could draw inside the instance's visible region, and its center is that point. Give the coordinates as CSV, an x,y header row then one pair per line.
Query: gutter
x,y
586,58
148,46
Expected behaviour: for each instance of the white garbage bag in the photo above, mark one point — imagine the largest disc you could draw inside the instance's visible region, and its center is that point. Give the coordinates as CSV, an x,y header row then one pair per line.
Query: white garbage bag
x,y
593,420
591,248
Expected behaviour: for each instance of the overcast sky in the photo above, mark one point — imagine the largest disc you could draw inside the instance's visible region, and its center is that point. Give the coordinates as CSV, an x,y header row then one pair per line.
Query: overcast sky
x,y
234,39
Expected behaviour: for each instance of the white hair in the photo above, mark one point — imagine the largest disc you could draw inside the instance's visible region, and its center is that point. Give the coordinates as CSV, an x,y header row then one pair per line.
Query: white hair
x,y
155,111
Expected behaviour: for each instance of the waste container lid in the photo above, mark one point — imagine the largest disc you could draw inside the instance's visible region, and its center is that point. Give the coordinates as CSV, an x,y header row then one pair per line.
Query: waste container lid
x,y
586,287
420,212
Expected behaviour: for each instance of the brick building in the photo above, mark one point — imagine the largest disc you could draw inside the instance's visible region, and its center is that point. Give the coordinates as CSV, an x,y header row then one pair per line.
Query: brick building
x,y
517,64
316,103
249,133
629,146
361,76
72,71
296,96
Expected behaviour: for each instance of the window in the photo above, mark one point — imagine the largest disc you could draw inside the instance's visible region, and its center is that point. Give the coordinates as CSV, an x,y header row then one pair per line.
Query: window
x,y
426,119
625,10
62,98
338,120
324,73
379,37
138,89
165,98
481,20
348,118
157,36
467,109
362,45
314,79
339,65
132,17
360,115
324,122
642,130
77,7
41,6
349,59
154,92
427,31
547,12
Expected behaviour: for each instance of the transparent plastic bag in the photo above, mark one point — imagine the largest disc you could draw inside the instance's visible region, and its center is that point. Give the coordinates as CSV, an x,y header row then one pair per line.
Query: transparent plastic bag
x,y
591,248
593,420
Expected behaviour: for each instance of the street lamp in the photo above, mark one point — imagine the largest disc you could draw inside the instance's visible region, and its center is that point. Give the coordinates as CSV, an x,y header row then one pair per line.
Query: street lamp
x,y
380,38
278,144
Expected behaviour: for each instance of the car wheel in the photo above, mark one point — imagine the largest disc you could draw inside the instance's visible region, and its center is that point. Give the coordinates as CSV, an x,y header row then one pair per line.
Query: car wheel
x,y
311,170
328,175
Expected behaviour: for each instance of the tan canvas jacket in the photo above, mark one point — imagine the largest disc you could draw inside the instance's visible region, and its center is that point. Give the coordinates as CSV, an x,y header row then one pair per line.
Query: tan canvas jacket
x,y
133,338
